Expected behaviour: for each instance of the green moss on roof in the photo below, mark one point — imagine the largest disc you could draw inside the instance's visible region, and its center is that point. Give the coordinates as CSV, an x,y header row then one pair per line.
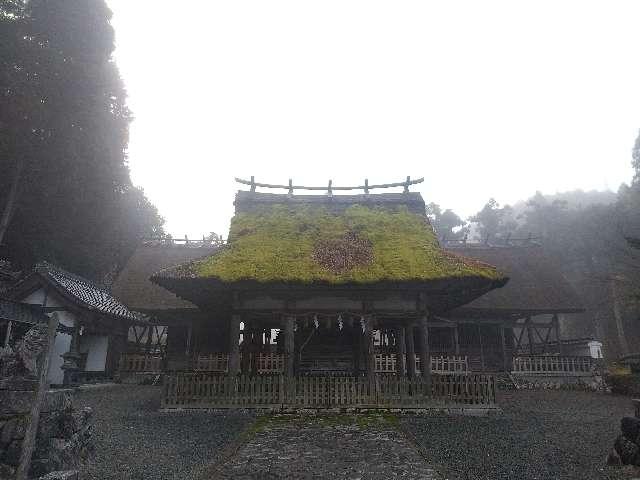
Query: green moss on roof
x,y
276,243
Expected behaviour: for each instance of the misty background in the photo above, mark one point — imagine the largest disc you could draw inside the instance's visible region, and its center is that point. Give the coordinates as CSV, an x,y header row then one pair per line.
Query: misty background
x,y
521,117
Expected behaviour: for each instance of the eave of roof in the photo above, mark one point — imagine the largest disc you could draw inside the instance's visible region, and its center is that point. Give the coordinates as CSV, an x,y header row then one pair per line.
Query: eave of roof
x,y
273,237
79,291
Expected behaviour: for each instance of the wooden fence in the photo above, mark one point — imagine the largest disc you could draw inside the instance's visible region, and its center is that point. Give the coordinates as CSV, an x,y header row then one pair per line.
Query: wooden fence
x,y
136,362
551,365
208,390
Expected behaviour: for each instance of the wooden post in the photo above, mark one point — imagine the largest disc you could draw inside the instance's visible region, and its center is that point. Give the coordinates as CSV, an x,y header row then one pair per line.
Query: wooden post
x,y
234,344
503,342
556,325
29,441
288,345
401,349
529,335
482,365
411,351
369,352
456,339
189,339
425,352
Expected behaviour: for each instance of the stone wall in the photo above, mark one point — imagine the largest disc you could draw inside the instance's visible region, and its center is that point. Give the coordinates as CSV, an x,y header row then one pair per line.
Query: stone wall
x,y
64,437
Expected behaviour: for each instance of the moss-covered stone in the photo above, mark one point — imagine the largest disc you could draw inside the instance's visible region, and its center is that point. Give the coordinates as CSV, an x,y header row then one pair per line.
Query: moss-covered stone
x,y
276,243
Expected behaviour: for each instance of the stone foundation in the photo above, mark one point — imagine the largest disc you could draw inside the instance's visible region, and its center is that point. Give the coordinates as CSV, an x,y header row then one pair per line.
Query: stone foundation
x,y
64,433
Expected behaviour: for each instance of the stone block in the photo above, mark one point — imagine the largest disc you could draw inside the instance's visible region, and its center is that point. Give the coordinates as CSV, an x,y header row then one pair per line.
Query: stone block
x,y
630,427
12,453
13,429
15,402
628,451
7,472
65,475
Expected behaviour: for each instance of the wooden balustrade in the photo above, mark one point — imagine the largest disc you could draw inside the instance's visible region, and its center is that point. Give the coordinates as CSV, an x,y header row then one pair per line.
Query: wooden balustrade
x,y
211,362
552,365
386,363
140,363
208,390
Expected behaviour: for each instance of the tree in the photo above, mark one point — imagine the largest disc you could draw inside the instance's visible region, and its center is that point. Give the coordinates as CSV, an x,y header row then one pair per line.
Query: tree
x,y
65,130
447,224
493,221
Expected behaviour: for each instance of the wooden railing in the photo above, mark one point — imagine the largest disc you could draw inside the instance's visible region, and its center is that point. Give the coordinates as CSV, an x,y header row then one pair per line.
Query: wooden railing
x,y
330,188
140,363
549,365
386,363
270,363
211,362
208,390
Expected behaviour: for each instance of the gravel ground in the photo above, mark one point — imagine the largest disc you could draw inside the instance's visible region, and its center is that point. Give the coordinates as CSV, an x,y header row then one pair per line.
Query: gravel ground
x,y
542,435
134,441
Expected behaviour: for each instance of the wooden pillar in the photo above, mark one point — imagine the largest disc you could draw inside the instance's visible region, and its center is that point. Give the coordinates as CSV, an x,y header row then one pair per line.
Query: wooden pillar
x,y
503,342
425,352
529,335
370,361
189,340
411,351
556,325
456,339
482,365
234,344
401,349
288,344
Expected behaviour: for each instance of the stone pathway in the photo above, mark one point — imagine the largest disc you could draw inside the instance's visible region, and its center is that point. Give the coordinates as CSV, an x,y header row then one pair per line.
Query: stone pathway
x,y
326,447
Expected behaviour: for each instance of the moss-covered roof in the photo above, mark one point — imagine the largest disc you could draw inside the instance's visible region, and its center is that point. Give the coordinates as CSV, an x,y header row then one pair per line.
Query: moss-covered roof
x,y
305,244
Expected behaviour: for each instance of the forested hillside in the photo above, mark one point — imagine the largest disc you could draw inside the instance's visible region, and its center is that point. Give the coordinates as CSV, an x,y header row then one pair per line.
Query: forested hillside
x,y
590,235
65,190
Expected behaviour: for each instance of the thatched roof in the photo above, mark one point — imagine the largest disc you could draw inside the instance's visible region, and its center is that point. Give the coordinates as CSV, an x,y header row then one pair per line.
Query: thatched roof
x,y
352,240
535,285
133,286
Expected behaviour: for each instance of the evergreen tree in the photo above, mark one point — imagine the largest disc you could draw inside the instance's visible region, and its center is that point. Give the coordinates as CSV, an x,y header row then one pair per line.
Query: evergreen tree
x,y
64,136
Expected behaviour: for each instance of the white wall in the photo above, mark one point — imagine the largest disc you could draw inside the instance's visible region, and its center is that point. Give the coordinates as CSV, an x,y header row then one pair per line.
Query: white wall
x,y
63,341
96,347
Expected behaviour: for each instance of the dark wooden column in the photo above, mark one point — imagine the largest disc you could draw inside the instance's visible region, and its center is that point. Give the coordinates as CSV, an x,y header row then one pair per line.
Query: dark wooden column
x,y
234,344
370,361
425,352
288,321
556,325
401,349
529,335
456,339
503,343
482,363
411,351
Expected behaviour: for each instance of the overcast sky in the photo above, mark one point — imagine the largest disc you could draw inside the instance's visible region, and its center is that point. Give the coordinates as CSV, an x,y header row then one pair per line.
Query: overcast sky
x,y
490,98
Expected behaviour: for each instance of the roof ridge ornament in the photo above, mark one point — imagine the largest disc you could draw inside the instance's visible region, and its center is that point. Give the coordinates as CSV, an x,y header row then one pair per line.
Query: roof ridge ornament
x,y
329,189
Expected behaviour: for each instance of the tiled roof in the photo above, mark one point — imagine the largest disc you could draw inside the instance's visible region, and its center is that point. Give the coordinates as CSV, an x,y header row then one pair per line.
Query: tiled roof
x,y
86,293
21,312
